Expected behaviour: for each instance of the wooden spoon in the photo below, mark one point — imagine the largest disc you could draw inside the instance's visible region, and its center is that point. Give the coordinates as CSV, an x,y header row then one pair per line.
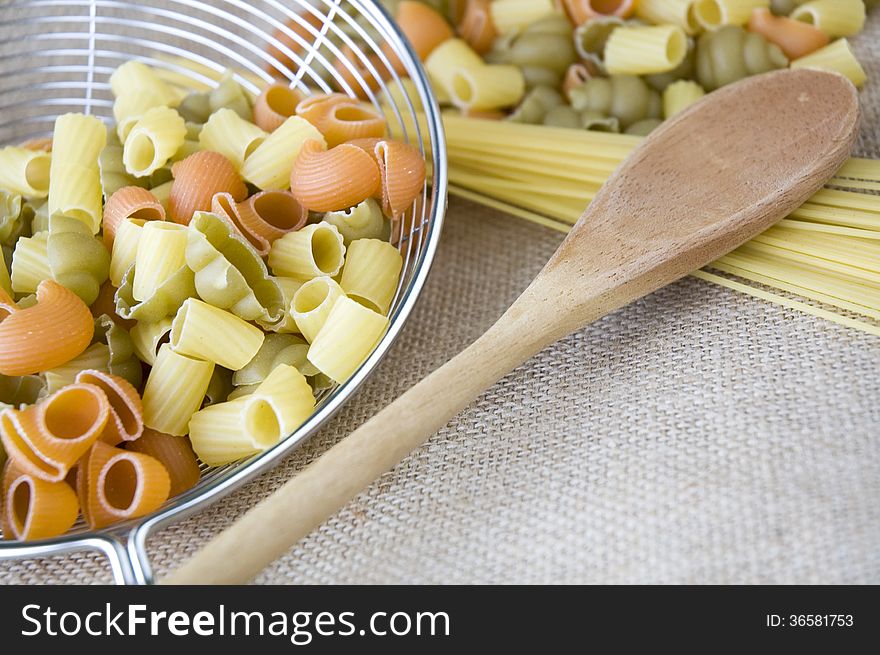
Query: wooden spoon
x,y
703,183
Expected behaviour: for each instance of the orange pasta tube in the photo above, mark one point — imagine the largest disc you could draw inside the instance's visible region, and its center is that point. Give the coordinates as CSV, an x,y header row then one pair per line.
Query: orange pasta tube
x,y
34,508
402,172
335,179
794,37
197,179
175,454
303,26
576,75
477,27
423,26
262,218
275,105
129,202
126,421
580,11
341,118
115,484
355,72
52,332
40,143
46,440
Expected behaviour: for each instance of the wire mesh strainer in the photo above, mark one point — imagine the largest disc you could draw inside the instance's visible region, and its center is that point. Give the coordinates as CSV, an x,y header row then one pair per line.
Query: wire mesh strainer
x,y
56,56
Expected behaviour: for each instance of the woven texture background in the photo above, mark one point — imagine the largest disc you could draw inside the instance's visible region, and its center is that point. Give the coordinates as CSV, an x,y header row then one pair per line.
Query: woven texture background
x,y
697,436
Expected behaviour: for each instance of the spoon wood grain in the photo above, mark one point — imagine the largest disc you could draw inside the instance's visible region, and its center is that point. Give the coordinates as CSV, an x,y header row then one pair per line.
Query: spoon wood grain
x,y
702,184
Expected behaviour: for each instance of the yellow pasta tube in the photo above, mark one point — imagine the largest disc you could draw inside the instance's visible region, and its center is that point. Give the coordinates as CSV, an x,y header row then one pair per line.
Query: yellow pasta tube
x,y
233,137
448,58
268,167
510,15
25,172
371,273
645,50
148,337
713,14
315,250
77,140
229,431
161,252
346,339
205,332
312,304
217,433
680,95
675,12
153,140
75,192
74,179
135,77
834,17
286,391
124,251
30,263
174,391
488,87
365,221
837,57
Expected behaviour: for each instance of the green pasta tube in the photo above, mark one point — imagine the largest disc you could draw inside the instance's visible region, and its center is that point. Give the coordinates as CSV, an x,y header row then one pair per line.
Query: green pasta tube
x,y
196,107
643,128
563,116
625,97
732,53
113,173
122,360
219,387
598,122
229,273
164,301
15,216
536,104
277,349
16,391
544,50
77,259
230,94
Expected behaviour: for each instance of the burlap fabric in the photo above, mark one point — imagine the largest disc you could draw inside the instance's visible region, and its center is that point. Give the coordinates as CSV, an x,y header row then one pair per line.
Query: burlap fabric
x,y
697,436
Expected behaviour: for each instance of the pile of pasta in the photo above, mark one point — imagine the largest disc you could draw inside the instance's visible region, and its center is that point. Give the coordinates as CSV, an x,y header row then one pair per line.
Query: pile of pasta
x,y
181,287
570,87
617,65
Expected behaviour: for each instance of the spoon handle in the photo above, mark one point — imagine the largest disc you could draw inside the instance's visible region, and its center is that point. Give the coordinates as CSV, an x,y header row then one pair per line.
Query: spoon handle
x,y
324,487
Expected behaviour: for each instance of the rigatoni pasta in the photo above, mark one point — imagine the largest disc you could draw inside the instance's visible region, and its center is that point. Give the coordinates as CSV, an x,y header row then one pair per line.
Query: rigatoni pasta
x,y
371,273
312,303
174,390
346,339
152,141
712,14
232,136
837,57
313,251
161,251
269,166
834,17
25,172
645,50
205,332
680,95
